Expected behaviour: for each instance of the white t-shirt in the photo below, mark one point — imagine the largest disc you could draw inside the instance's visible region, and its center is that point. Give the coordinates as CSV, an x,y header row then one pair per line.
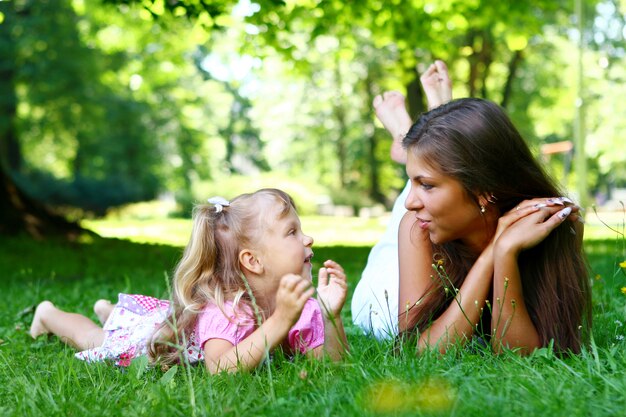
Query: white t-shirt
x,y
375,299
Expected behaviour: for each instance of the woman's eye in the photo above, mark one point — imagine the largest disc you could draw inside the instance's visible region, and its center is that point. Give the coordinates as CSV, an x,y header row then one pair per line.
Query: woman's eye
x,y
426,186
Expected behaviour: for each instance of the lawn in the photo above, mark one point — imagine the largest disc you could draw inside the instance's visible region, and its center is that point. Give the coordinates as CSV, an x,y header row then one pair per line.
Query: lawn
x,y
42,377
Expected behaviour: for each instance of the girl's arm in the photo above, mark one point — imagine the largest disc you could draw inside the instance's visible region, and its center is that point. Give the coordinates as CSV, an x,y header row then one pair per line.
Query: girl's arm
x,y
221,355
332,291
529,225
458,321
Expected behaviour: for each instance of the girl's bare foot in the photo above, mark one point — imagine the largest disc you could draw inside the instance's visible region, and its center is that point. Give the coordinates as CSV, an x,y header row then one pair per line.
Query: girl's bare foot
x,y
37,327
103,309
437,84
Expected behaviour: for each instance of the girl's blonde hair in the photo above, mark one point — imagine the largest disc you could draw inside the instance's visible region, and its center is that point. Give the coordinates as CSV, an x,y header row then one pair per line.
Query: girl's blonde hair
x,y
209,271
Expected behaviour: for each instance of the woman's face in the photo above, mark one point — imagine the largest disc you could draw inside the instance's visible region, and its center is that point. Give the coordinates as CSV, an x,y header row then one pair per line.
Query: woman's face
x,y
443,207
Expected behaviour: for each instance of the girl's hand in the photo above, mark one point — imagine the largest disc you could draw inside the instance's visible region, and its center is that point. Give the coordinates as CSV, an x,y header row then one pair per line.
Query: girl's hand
x,y
332,289
293,292
531,221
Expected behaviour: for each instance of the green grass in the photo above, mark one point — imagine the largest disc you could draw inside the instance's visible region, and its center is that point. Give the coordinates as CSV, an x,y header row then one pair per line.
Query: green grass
x,y
42,377
326,231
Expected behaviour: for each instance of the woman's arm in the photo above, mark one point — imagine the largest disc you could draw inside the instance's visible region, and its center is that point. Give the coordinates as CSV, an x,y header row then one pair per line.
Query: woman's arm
x,y
527,226
459,320
510,320
415,265
221,355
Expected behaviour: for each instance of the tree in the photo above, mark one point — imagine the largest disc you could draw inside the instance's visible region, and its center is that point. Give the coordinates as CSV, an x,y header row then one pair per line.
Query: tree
x,y
18,212
106,142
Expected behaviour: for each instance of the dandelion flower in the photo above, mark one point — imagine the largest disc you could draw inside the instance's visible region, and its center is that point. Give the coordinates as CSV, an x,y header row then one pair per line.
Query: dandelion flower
x,y
623,290
623,264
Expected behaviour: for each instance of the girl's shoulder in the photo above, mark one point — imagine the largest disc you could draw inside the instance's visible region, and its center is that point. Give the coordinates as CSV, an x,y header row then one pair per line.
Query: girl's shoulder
x,y
240,313
227,321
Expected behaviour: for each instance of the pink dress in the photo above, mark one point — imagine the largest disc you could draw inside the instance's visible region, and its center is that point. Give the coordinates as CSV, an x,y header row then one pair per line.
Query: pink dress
x,y
133,321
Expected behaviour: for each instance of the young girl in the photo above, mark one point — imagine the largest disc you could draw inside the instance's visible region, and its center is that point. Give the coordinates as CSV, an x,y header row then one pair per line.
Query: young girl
x,y
485,247
242,288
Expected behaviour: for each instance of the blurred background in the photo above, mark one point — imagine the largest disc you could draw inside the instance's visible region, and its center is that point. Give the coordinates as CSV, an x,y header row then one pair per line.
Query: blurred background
x,y
106,103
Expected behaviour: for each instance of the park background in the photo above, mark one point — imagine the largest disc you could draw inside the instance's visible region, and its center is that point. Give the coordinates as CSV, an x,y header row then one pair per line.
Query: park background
x,y
116,116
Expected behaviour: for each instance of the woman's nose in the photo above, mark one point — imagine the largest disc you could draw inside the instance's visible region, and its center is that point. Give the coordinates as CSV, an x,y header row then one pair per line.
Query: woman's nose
x,y
308,240
413,201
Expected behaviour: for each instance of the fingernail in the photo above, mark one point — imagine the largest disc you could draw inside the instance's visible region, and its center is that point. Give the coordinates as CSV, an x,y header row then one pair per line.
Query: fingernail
x,y
540,205
581,219
553,201
567,200
572,231
565,212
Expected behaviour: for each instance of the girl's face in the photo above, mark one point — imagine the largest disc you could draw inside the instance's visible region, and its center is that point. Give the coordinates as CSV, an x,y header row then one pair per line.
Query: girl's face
x,y
442,206
285,249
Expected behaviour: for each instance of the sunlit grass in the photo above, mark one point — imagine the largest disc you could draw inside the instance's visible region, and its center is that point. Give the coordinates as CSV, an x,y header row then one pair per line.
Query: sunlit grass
x,y
605,225
326,231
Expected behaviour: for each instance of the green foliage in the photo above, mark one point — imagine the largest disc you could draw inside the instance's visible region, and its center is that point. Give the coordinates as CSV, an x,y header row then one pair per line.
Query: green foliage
x,y
159,95
92,195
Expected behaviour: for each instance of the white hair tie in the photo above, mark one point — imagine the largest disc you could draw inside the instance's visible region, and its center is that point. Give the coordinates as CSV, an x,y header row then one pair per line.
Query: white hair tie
x,y
219,203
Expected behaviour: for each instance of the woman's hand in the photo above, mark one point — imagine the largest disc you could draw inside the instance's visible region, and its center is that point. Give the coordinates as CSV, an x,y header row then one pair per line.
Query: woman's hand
x,y
530,222
332,289
293,292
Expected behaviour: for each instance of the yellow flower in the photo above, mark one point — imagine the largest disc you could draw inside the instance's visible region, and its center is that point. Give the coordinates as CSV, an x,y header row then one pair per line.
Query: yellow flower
x,y
623,290
432,396
623,264
598,276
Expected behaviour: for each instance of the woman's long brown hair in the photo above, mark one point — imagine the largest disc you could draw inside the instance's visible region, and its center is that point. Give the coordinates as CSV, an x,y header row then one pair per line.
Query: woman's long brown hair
x,y
474,141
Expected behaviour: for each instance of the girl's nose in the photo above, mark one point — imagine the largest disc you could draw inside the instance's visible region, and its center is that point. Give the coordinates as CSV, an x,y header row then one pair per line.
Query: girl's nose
x,y
308,240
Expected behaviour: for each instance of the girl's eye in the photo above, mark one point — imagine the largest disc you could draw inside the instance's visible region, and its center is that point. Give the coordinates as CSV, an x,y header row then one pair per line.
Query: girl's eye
x,y
426,186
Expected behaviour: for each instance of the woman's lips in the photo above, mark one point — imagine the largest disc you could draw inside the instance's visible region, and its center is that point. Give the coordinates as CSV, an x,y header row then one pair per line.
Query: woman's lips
x,y
423,224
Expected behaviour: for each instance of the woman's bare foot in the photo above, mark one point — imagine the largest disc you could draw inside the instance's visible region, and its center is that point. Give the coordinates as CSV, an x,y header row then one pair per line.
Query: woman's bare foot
x,y
103,309
37,327
391,110
437,84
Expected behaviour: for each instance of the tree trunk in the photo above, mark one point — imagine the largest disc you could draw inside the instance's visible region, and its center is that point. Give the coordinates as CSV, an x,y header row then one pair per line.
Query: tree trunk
x,y
372,143
18,212
508,86
415,98
340,117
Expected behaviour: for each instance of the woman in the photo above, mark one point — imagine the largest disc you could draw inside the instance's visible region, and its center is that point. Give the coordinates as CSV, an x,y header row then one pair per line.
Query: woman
x,y
375,298
484,248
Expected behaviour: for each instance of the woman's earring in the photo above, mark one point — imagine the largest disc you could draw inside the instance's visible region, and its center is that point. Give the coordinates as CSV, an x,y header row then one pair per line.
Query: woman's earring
x,y
482,209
